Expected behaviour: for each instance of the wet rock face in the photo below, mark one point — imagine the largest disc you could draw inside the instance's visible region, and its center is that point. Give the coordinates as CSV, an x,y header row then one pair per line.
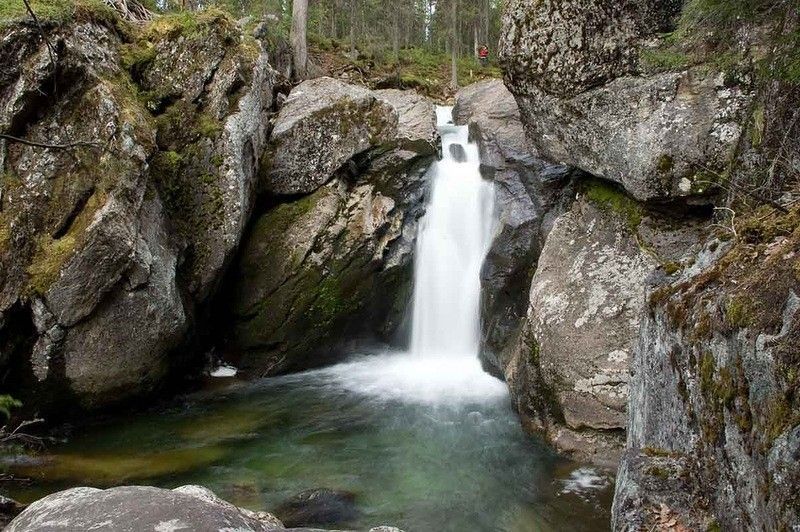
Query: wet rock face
x,y
103,261
529,194
322,125
585,102
335,264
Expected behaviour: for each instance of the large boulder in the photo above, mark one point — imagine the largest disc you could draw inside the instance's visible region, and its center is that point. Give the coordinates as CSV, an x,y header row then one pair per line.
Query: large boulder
x,y
530,193
102,230
336,264
416,116
587,101
322,125
569,371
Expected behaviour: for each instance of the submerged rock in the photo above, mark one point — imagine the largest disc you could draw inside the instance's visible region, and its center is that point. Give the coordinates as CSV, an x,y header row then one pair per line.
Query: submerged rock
x,y
9,508
318,507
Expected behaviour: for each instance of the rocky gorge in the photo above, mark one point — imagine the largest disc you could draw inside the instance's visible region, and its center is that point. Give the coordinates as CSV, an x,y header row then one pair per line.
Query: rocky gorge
x,y
168,204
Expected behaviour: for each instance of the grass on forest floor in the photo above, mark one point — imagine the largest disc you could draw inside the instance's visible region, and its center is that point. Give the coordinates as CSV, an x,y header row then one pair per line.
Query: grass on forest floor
x,y
57,11
426,71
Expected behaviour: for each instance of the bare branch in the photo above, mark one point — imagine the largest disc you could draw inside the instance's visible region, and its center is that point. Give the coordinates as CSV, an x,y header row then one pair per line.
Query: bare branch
x,y
67,146
732,227
50,50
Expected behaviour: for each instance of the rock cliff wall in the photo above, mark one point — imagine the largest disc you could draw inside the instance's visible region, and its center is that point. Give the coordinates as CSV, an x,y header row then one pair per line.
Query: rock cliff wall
x,y
701,303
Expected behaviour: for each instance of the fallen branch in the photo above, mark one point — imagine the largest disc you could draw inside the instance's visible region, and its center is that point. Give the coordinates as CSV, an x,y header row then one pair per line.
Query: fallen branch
x,y
50,50
67,146
738,188
17,436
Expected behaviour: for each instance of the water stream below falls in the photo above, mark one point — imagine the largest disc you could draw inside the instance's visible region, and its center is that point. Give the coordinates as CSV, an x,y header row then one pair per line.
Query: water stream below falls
x,y
425,440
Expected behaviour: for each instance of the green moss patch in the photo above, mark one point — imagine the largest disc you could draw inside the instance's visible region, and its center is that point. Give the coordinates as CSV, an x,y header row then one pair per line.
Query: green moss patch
x,y
52,253
191,25
612,198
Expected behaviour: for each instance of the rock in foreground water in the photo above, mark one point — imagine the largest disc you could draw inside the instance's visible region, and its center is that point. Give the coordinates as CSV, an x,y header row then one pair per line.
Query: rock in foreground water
x,y
136,508
140,508
318,507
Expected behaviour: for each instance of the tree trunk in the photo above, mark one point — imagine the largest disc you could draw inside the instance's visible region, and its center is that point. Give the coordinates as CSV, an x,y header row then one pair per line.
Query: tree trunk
x,y
298,38
396,34
487,13
454,44
353,11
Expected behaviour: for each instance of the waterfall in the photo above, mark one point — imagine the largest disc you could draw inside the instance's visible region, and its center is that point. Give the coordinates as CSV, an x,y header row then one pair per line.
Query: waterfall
x,y
442,366
453,240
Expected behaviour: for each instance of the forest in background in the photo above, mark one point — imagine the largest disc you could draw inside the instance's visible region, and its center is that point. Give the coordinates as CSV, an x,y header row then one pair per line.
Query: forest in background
x,y
419,42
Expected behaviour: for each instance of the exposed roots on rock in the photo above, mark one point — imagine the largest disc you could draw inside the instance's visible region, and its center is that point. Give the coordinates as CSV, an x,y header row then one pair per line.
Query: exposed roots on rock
x,y
131,10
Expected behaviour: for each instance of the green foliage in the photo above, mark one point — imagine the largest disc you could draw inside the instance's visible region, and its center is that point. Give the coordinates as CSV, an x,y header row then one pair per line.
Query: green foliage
x,y
190,24
671,267
6,404
136,56
535,352
52,253
658,472
719,17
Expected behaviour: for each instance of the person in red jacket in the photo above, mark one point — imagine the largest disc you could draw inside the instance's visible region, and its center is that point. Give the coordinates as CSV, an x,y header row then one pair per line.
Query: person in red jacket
x,y
483,55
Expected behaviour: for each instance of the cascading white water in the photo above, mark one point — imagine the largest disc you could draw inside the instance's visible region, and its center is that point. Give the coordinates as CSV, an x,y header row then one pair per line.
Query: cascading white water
x,y
454,236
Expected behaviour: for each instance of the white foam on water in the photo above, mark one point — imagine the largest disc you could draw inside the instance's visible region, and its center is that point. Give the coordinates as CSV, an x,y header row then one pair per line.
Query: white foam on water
x,y
584,479
409,378
224,371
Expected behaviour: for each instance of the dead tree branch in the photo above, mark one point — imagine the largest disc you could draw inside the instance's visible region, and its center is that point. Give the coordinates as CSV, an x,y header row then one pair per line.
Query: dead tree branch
x,y
67,146
50,49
